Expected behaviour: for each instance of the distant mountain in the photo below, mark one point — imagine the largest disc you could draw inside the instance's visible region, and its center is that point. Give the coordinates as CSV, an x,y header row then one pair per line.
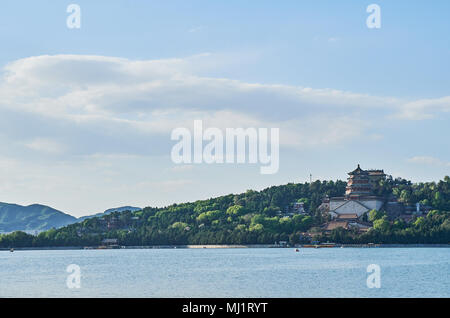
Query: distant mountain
x,y
38,218
35,217
109,211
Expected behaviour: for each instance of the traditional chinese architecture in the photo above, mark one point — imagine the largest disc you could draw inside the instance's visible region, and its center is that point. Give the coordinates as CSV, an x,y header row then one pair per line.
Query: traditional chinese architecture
x,y
360,198
358,184
359,194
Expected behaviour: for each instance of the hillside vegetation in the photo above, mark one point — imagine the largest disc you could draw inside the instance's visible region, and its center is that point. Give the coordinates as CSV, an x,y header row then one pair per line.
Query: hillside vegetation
x,y
253,217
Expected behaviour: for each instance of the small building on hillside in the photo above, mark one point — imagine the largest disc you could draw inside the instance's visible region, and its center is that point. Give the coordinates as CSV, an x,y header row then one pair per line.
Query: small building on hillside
x,y
293,209
298,208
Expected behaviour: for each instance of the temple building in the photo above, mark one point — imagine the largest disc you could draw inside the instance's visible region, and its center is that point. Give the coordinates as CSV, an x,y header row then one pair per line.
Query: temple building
x,y
358,184
360,198
359,194
362,182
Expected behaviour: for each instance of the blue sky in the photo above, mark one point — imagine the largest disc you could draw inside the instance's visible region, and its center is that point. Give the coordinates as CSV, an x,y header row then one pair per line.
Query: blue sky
x,y
86,113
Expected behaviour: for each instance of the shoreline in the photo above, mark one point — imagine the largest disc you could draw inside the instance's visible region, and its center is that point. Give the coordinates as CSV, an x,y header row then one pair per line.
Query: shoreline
x,y
55,248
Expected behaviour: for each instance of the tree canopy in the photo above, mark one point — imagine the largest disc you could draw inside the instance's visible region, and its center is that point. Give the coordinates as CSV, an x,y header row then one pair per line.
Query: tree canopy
x,y
255,217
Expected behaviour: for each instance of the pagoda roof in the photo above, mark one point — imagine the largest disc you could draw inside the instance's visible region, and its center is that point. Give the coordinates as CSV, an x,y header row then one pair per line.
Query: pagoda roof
x,y
358,170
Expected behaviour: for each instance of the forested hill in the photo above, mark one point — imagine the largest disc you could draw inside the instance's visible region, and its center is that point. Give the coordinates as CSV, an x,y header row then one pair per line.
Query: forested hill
x,y
35,217
255,217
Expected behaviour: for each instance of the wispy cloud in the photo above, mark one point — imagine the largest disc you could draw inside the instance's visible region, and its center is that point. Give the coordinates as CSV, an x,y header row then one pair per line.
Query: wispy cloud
x,y
46,145
195,29
423,108
182,168
333,39
428,160
99,100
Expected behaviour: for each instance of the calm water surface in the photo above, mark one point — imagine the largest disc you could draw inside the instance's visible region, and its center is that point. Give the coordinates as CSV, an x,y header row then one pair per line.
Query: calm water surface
x,y
335,272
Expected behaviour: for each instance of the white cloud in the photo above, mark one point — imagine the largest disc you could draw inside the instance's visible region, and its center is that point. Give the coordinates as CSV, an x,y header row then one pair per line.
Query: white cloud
x,y
424,108
182,168
67,84
110,120
428,160
195,29
46,145
76,85
110,104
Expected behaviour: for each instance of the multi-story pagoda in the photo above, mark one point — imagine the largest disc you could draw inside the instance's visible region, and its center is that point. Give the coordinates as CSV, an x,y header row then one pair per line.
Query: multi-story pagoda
x,y
358,184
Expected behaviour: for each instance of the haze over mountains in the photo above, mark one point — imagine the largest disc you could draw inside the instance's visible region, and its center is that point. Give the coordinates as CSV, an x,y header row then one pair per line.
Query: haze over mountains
x,y
37,217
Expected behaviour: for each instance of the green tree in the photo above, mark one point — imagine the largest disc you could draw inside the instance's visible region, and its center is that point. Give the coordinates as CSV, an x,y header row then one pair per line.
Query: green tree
x,y
382,224
236,210
375,215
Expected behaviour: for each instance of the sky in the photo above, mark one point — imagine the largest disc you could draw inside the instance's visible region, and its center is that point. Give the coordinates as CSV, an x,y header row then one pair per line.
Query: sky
x,y
86,114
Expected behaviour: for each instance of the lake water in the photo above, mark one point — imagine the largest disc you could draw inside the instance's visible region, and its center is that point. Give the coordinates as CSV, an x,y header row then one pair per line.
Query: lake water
x,y
258,272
